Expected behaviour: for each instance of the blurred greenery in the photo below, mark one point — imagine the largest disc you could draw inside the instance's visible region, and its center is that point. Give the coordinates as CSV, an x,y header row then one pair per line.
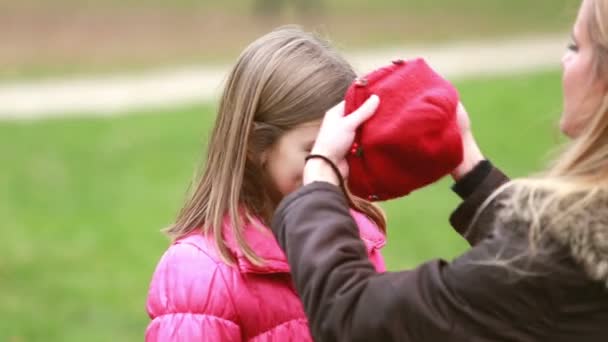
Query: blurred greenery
x,y
83,200
341,5
46,38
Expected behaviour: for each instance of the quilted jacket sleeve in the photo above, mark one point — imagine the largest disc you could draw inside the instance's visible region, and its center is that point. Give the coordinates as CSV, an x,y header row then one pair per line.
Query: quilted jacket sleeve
x,y
373,239
189,299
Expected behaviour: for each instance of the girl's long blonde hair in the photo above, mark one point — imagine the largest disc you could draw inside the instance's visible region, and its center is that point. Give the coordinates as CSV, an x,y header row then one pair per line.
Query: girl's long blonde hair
x,y
283,79
559,198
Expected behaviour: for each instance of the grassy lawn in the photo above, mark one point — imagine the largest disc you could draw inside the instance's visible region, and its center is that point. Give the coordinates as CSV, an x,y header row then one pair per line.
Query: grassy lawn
x,y
82,202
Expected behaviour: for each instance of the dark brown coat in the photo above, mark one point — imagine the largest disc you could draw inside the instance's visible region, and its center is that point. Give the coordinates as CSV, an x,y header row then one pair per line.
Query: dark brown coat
x,y
561,296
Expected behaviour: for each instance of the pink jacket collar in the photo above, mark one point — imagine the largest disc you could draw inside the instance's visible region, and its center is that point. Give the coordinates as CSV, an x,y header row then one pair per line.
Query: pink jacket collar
x,y
265,245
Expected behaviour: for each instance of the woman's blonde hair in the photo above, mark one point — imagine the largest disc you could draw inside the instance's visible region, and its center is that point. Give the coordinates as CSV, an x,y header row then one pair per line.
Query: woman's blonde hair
x,y
282,80
578,178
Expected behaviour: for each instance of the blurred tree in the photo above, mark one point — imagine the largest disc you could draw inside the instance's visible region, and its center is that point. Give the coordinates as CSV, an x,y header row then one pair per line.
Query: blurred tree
x,y
308,6
274,7
268,7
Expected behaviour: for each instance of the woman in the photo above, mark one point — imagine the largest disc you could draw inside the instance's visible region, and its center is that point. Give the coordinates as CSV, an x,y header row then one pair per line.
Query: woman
x,y
538,266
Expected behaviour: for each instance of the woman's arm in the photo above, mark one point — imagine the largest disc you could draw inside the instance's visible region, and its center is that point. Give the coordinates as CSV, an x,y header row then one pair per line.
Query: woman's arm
x,y
346,300
476,179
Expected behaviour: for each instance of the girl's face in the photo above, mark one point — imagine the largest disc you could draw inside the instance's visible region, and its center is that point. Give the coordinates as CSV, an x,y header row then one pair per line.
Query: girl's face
x,y
285,160
582,93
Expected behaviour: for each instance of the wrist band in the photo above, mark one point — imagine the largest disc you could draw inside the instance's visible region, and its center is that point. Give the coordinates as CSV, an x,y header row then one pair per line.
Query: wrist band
x,y
334,168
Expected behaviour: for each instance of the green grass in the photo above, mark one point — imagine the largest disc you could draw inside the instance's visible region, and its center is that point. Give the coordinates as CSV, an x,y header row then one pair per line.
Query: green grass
x,y
82,202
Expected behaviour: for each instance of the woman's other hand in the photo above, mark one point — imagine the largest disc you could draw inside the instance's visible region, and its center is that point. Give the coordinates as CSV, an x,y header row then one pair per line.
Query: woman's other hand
x,y
471,153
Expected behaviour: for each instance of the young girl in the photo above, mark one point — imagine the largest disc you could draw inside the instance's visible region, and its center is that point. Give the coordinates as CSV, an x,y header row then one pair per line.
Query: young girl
x,y
224,278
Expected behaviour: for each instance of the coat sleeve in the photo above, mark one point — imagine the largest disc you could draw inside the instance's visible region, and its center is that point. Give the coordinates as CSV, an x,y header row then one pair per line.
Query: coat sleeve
x,y
189,299
475,188
346,300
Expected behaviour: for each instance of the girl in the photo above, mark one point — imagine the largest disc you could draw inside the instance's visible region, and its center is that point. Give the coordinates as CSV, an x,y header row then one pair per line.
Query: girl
x,y
225,278
538,266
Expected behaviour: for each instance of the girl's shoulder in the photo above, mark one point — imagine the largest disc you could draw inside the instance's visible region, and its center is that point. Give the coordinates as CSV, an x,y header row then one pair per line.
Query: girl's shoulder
x,y
193,254
196,240
189,278
188,255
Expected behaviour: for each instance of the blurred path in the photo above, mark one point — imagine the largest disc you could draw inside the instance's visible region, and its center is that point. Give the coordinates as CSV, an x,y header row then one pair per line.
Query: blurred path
x,y
109,95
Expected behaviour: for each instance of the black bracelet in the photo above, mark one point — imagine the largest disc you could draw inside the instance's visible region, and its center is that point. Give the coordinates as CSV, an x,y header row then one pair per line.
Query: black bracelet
x,y
333,166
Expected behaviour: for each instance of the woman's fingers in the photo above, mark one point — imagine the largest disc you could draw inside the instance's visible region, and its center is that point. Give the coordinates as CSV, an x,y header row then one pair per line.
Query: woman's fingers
x,y
337,110
367,109
463,118
337,131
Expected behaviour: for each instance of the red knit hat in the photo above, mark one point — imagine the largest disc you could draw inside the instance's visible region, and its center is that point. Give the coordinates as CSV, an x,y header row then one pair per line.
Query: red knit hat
x,y
412,140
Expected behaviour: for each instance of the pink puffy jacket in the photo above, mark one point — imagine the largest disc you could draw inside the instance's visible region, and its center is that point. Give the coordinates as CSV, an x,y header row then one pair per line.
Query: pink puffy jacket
x,y
194,296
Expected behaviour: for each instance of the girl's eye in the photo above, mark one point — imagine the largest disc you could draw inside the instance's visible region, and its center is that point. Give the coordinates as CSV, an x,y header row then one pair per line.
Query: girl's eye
x,y
573,47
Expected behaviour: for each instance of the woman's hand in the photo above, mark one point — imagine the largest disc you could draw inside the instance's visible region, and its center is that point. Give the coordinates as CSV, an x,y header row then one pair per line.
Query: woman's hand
x,y
471,153
335,138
